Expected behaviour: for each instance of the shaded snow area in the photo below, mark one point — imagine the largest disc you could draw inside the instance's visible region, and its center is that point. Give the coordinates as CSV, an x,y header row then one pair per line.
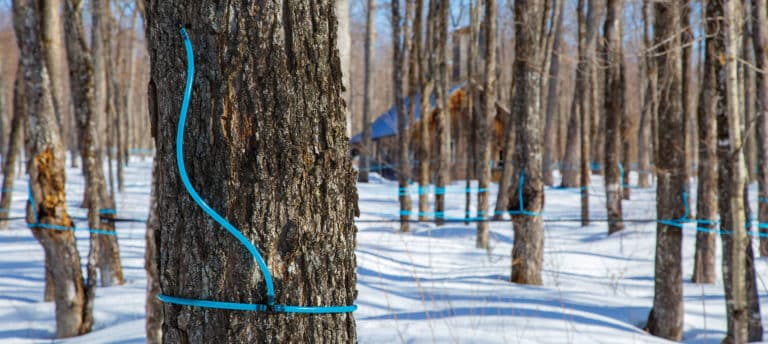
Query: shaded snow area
x,y
428,286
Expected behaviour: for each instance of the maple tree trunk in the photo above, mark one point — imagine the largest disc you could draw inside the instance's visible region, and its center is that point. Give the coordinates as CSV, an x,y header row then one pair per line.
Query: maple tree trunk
x,y
614,108
269,114
485,122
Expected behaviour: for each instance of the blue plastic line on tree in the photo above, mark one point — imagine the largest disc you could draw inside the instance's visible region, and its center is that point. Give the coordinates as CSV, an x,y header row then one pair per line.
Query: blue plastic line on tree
x,y
522,210
228,226
39,225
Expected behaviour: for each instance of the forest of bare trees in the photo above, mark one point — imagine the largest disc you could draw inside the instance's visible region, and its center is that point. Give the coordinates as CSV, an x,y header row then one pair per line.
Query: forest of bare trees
x,y
274,121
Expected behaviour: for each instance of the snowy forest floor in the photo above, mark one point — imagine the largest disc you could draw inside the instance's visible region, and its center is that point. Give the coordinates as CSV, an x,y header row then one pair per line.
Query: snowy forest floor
x,y
430,285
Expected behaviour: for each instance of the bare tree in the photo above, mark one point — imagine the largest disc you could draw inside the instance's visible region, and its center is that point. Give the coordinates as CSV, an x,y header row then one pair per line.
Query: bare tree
x,y
402,119
344,42
586,83
439,16
484,122
645,140
14,148
614,107
760,40
528,250
706,200
370,37
300,219
47,207
666,316
570,168
552,105
470,159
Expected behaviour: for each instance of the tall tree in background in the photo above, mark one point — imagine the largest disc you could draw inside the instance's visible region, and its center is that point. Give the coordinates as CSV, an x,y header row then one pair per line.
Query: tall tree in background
x,y
570,168
470,159
706,200
613,56
47,205
402,120
55,59
760,40
510,136
301,219
645,140
741,298
586,83
370,37
484,124
14,147
552,104
109,262
686,41
344,42
531,18
666,316
153,308
439,16
425,89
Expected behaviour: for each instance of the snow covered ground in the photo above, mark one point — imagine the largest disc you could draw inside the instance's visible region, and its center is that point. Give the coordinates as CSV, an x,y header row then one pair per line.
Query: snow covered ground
x,y
428,286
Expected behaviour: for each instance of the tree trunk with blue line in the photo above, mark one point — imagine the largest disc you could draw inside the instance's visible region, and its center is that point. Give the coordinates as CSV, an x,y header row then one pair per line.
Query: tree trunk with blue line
x,y
666,317
439,15
706,198
531,18
485,120
403,137
265,145
615,85
47,207
760,40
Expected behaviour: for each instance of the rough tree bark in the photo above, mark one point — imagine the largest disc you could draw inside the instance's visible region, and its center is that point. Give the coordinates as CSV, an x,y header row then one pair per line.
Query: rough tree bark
x,y
14,148
344,42
470,158
109,262
706,200
402,119
439,16
485,122
666,317
686,41
553,106
46,174
528,250
742,304
425,89
154,308
645,140
370,37
586,83
760,40
570,168
613,56
266,109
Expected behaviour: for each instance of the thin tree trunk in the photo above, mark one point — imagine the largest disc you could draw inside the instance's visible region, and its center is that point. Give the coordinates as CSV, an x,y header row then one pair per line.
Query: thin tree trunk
x,y
508,171
154,308
553,106
570,168
732,179
528,250
370,37
297,207
46,171
470,159
760,40
344,42
706,200
425,89
81,76
402,129
14,148
666,316
439,10
615,109
485,123
586,84
54,55
645,138
686,39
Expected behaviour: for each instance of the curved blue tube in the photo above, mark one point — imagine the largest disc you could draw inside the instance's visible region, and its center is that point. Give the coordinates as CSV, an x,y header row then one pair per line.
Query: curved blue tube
x,y
228,226
188,185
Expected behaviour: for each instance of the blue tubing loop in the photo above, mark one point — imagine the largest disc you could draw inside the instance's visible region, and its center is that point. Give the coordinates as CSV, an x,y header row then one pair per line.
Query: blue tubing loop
x,y
522,210
228,226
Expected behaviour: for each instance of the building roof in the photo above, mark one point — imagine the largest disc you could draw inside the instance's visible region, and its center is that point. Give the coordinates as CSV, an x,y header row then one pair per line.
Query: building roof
x,y
386,124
